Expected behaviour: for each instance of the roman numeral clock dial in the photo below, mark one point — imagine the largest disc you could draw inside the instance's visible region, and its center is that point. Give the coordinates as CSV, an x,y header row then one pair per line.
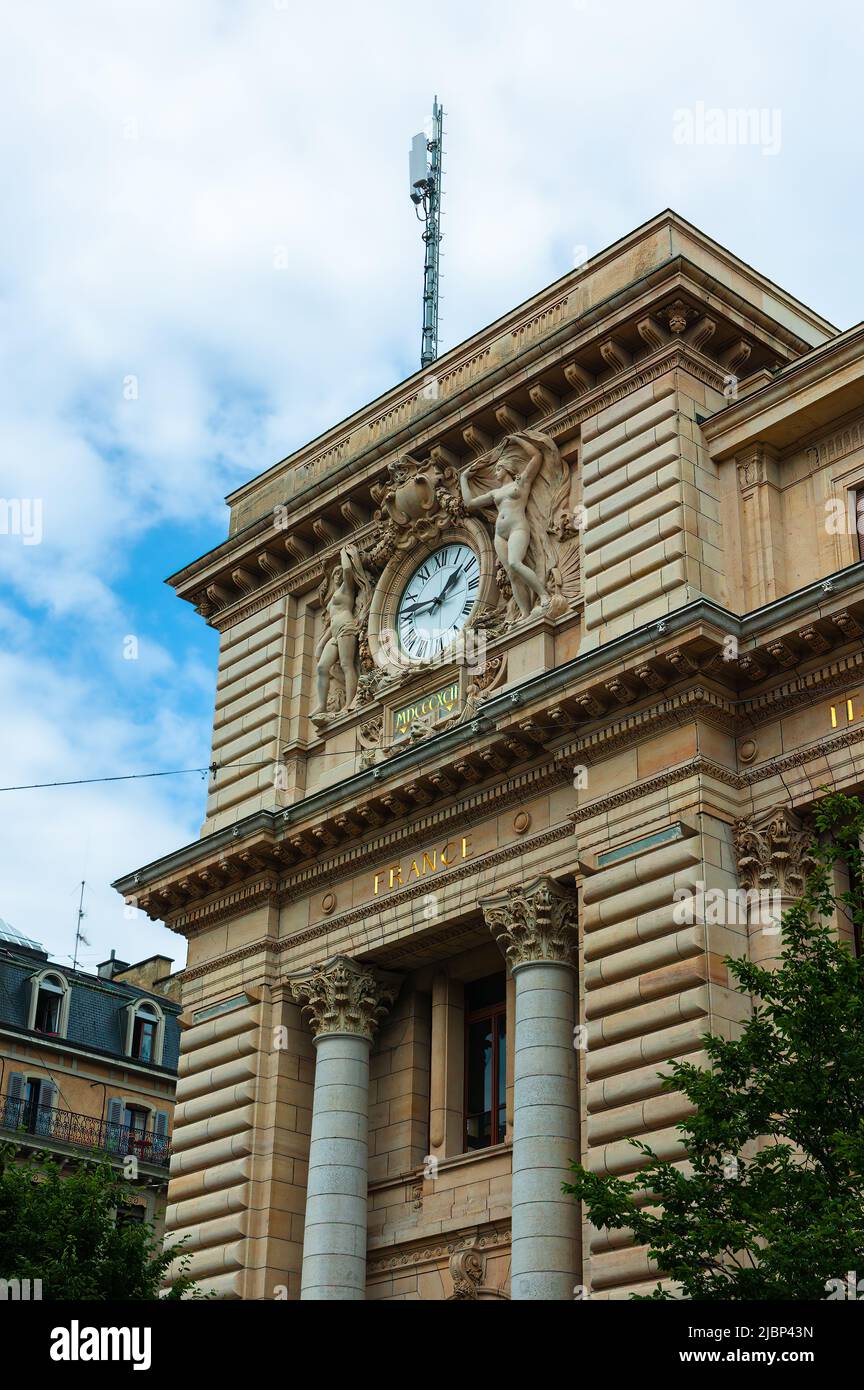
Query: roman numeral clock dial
x,y
437,601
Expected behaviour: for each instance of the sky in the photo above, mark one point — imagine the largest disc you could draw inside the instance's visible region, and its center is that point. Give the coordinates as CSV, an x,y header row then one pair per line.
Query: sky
x,y
208,256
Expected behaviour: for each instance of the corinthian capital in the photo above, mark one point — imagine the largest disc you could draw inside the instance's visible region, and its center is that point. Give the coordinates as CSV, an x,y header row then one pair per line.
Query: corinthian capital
x,y
342,996
534,922
773,851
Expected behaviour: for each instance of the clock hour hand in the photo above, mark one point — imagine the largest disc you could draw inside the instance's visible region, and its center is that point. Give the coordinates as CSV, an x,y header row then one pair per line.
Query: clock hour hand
x,y
415,607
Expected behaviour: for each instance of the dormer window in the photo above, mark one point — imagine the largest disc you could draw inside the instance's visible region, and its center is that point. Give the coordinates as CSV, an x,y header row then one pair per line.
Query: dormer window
x,y
49,1004
145,1033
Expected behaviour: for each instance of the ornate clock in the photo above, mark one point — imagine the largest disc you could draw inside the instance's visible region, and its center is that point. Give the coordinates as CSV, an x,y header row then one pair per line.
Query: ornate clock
x,y
437,600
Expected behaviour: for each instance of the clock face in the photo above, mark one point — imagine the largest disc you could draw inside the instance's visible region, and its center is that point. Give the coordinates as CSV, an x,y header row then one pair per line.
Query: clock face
x,y
437,600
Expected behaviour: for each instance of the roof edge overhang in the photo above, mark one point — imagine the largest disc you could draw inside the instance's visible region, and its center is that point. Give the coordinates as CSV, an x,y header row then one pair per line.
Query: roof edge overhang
x,y
807,395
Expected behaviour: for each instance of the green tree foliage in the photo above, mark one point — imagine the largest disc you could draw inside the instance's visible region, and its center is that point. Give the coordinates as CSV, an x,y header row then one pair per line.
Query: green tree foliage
x,y
60,1225
771,1202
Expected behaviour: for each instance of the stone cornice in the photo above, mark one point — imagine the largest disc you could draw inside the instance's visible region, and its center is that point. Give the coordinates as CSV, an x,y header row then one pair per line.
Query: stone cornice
x,y
813,599
359,450
792,392
706,767
711,706
330,925
468,869
461,815
685,772
697,767
520,742
240,553
672,242
419,1250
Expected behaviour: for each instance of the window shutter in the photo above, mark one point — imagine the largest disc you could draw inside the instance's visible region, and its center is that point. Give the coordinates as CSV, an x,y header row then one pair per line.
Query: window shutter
x,y
45,1112
13,1110
114,1135
859,521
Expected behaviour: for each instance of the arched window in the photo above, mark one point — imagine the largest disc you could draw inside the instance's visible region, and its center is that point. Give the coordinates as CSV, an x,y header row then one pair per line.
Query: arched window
x,y
49,1004
145,1032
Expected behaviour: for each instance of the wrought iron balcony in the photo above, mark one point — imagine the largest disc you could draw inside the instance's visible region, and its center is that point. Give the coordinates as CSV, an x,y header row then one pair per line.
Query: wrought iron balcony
x,y
45,1122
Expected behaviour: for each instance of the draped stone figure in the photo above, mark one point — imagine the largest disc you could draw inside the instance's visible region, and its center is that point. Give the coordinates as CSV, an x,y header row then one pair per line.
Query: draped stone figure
x,y
525,484
345,595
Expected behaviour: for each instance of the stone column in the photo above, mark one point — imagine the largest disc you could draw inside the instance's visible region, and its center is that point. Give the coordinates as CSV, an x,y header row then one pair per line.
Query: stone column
x,y
536,927
773,854
343,1002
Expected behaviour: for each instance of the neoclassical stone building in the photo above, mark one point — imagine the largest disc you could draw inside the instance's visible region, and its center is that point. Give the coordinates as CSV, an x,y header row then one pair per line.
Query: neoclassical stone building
x,y
524,667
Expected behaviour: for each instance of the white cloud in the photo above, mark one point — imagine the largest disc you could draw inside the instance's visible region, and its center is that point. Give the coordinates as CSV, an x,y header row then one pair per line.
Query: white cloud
x,y
162,160
56,725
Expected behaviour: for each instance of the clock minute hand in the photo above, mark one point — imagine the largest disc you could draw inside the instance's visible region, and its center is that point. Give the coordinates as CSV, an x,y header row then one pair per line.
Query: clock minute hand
x,y
447,587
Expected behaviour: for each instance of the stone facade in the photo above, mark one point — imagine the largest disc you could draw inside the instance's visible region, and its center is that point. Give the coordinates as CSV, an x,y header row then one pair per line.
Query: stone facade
x,y
648,692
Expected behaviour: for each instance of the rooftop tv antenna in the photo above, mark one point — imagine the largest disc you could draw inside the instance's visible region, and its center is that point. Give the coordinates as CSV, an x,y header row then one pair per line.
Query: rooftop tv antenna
x,y
424,164
79,935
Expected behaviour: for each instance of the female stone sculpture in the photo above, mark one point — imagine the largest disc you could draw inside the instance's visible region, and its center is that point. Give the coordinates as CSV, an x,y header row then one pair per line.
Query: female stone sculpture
x,y
528,479
345,595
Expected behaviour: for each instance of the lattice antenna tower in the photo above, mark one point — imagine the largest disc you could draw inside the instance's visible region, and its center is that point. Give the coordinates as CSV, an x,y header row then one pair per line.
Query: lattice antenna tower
x,y
425,170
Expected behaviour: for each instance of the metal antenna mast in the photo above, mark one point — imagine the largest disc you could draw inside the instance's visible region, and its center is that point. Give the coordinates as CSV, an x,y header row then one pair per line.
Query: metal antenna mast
x,y
79,935
425,165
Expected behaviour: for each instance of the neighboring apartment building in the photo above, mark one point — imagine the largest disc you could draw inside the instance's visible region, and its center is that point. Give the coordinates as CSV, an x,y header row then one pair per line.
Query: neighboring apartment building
x,y
89,1062
559,629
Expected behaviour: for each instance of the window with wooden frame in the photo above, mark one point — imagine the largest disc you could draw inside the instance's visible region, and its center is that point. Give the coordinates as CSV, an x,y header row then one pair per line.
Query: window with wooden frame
x,y
50,997
49,1004
144,1034
485,1062
145,1031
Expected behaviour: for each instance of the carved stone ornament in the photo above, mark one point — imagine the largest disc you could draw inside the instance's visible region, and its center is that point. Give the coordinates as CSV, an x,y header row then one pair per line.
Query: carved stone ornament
x,y
343,996
416,503
369,738
773,852
678,315
534,922
753,466
467,1268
